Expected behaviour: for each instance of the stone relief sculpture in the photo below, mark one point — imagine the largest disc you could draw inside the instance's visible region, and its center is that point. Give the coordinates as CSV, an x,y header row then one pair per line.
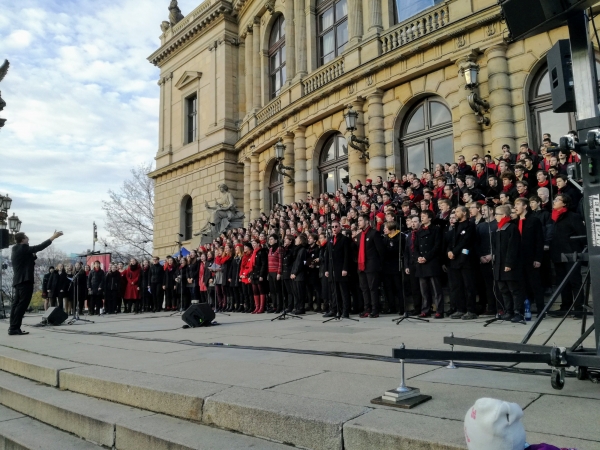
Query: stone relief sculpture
x,y
224,216
3,72
175,15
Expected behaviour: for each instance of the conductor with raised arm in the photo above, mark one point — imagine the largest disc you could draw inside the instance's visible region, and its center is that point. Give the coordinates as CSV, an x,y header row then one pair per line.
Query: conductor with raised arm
x,y
23,261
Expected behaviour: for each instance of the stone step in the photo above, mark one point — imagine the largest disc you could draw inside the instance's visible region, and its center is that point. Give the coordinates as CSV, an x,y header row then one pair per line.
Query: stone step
x,y
111,425
19,432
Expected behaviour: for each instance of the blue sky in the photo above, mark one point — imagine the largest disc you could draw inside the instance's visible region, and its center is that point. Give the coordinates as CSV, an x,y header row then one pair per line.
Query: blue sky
x,y
82,107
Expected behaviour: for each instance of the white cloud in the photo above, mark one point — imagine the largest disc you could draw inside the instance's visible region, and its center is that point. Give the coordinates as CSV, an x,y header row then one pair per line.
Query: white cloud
x,y
82,107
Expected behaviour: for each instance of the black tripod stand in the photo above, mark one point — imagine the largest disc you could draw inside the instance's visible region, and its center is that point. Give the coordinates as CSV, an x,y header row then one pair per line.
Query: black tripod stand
x,y
76,317
405,316
333,284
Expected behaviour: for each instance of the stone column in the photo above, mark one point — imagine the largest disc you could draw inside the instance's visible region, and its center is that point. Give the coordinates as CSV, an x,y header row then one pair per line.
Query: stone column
x,y
288,160
290,42
357,168
161,116
300,19
168,115
249,70
247,189
300,173
471,137
355,21
256,67
501,111
254,188
376,24
377,164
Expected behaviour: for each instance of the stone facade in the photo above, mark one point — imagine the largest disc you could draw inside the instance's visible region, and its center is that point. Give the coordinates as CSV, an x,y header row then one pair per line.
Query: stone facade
x,y
219,52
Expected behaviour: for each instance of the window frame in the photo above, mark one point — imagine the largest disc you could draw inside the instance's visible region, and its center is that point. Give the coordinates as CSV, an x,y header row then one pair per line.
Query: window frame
x,y
396,11
426,136
187,217
277,49
191,118
322,7
335,165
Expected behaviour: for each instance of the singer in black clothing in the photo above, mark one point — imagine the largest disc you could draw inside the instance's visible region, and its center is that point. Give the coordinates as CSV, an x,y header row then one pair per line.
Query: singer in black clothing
x,y
392,277
336,271
370,258
23,261
156,281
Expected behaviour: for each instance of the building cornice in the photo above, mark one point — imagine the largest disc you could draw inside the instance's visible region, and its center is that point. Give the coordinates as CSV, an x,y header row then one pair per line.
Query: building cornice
x,y
215,149
193,25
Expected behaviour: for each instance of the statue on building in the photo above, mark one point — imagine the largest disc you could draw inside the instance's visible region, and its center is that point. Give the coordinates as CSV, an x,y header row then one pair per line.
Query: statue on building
x,y
3,71
175,15
165,25
224,216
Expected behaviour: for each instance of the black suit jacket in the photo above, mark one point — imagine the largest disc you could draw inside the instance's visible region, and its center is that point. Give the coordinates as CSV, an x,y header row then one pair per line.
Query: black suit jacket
x,y
374,252
461,239
23,261
340,256
532,240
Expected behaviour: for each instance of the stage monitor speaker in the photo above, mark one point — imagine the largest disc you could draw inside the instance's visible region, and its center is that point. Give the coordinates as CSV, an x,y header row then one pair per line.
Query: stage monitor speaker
x,y
4,238
560,72
198,315
54,316
526,18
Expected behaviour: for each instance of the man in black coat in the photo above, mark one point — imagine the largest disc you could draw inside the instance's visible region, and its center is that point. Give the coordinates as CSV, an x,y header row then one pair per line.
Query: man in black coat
x,y
96,289
545,217
23,261
460,245
370,259
486,228
507,264
337,261
566,188
567,224
45,282
532,252
428,247
392,277
410,262
156,281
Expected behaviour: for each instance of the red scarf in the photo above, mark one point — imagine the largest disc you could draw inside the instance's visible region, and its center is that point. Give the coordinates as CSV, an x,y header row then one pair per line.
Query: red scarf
x,y
479,175
556,213
412,241
503,222
507,188
523,194
521,226
544,184
361,250
168,267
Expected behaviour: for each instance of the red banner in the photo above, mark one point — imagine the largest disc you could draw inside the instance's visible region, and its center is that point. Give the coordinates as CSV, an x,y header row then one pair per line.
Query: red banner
x,y
103,258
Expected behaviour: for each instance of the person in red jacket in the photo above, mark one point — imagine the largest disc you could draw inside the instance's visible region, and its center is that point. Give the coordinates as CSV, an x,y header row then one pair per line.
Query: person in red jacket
x,y
132,288
246,267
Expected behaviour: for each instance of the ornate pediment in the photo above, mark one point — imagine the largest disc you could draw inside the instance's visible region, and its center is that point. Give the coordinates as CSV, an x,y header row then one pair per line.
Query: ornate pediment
x,y
187,78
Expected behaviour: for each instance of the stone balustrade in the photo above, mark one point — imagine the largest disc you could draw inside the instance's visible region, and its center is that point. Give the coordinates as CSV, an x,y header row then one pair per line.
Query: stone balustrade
x,y
268,111
414,28
323,76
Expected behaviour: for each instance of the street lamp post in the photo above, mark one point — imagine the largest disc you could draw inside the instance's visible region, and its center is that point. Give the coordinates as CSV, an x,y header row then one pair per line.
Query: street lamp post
x,y
14,225
351,117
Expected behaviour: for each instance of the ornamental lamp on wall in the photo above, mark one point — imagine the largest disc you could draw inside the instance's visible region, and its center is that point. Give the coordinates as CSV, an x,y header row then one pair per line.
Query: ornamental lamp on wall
x,y
279,167
14,224
5,202
470,71
351,118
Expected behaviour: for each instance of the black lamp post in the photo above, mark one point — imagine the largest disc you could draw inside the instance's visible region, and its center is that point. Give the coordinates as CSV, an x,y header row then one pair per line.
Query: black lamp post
x,y
351,117
279,155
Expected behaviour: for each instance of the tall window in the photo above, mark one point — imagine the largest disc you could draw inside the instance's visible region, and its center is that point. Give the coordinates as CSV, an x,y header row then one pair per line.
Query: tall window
x,y
191,124
276,188
333,165
333,28
405,9
543,120
277,56
187,217
426,136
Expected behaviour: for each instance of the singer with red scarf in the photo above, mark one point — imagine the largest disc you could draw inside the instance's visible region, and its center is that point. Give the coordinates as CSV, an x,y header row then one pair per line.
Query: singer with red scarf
x,y
567,224
370,258
132,288
506,245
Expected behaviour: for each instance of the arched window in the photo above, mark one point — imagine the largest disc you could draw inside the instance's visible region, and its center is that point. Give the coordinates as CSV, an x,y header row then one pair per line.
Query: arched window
x,y
187,218
426,136
277,56
543,119
332,17
333,164
276,188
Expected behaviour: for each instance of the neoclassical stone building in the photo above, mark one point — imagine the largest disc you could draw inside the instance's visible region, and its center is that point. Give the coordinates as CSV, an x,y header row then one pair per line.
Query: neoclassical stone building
x,y
236,76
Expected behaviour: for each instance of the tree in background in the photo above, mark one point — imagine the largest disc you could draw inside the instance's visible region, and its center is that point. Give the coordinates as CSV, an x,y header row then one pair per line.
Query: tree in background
x,y
130,217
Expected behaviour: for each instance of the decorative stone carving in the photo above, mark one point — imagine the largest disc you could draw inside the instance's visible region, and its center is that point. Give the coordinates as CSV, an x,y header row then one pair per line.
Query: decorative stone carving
x,y
3,72
175,15
223,217
461,41
165,25
369,80
270,5
490,29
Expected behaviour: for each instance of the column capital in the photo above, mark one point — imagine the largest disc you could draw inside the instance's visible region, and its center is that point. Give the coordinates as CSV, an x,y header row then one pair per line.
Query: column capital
x,y
299,130
374,95
288,137
468,55
500,47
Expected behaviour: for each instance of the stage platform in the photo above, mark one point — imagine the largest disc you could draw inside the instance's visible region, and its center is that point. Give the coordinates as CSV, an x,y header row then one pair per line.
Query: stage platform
x,y
142,382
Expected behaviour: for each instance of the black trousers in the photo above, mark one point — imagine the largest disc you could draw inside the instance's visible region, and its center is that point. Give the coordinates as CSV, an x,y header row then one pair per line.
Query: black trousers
x,y
95,303
313,287
355,292
288,294
275,288
369,285
486,272
415,288
300,294
236,291
532,285
110,301
340,295
157,295
20,303
392,287
325,293
512,295
462,289
431,291
546,270
248,296
572,286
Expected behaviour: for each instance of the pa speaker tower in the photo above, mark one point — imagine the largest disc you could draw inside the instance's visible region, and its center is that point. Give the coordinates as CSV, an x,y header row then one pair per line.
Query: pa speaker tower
x,y
560,71
54,316
198,315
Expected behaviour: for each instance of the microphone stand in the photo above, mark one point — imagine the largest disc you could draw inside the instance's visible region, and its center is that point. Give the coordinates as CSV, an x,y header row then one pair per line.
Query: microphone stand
x,y
497,317
76,318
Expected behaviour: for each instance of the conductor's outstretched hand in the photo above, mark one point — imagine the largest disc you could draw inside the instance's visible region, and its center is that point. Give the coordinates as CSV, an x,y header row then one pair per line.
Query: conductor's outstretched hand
x,y
56,235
